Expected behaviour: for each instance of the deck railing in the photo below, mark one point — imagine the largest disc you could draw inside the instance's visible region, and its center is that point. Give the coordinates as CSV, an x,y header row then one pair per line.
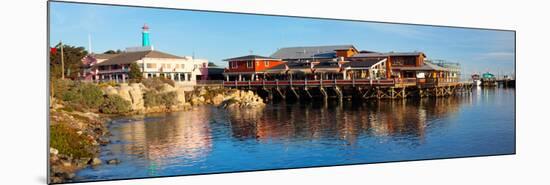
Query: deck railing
x,y
380,82
353,82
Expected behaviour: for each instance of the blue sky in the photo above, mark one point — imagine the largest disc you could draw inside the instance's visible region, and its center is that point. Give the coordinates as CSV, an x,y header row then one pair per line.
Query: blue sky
x,y
216,36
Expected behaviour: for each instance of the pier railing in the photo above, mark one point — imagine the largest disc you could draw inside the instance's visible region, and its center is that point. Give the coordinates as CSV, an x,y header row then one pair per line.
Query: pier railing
x,y
398,82
334,82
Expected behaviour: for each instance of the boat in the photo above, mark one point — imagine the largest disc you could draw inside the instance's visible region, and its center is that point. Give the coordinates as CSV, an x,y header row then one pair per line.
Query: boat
x,y
476,79
488,79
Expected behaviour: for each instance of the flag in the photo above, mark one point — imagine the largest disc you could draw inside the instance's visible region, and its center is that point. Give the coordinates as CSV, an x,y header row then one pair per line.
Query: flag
x,y
53,51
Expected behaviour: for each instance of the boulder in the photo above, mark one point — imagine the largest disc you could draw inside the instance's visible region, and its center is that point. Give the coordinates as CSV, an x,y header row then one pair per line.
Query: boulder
x,y
136,97
110,90
53,151
180,92
123,92
95,161
113,161
217,100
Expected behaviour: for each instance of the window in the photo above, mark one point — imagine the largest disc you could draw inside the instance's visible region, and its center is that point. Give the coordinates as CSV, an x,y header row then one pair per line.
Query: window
x,y
166,66
266,63
181,66
249,64
233,64
150,66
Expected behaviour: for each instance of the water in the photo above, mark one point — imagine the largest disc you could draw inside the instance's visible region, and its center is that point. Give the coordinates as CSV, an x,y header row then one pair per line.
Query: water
x,y
289,135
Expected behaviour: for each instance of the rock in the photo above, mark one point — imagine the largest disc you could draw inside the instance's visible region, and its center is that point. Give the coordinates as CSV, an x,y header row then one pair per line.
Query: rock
x,y
53,151
79,132
66,163
56,180
69,175
113,161
104,141
110,90
217,100
124,92
180,92
136,96
95,161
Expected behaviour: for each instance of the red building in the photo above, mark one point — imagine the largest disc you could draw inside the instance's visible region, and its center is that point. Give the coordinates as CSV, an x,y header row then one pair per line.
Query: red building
x,y
248,67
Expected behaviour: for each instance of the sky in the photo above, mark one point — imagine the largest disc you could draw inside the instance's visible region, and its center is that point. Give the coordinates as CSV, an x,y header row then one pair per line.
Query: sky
x,y
217,36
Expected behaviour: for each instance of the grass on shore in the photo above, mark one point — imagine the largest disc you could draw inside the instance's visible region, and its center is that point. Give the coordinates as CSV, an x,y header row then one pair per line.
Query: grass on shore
x,y
69,142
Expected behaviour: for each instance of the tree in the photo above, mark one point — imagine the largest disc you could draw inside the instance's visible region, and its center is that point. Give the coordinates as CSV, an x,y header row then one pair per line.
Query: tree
x,y
72,58
135,74
113,52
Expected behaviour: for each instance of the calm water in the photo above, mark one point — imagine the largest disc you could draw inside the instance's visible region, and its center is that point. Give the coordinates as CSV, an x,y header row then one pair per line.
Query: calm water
x,y
288,135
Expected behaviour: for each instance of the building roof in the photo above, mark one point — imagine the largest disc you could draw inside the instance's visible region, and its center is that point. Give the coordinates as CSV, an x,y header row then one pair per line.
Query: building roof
x,y
129,57
426,67
309,52
251,57
374,54
363,63
104,56
215,70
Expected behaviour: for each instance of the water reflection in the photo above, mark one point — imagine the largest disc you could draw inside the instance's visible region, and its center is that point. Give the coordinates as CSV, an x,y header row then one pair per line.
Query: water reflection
x,y
301,134
167,139
344,120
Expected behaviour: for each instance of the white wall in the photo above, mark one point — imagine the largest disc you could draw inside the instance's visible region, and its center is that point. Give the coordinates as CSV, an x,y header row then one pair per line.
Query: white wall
x,y
189,65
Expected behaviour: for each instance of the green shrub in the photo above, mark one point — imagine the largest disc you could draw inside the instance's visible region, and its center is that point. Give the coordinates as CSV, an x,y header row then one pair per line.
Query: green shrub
x,y
83,95
114,104
71,96
153,98
106,84
60,86
169,98
68,142
92,96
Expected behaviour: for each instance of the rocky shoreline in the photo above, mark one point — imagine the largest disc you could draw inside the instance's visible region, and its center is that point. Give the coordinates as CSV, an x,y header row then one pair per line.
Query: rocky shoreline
x,y
76,135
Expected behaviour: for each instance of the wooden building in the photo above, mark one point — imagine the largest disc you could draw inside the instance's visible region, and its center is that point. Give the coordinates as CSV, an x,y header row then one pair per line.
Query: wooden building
x,y
248,67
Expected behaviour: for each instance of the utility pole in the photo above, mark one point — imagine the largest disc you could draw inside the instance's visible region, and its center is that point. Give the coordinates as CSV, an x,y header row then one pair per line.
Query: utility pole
x,y
62,62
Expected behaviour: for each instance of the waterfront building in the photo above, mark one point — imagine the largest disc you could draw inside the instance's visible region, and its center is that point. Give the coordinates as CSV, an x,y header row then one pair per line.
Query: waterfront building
x,y
340,62
315,53
153,63
212,72
249,67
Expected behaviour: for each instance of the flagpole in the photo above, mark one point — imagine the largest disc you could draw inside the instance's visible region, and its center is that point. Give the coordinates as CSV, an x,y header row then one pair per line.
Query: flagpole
x,y
62,62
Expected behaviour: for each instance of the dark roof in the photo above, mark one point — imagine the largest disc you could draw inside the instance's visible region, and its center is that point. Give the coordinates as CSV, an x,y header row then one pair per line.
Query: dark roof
x,y
365,55
309,52
104,56
362,64
251,57
292,65
426,67
129,57
215,70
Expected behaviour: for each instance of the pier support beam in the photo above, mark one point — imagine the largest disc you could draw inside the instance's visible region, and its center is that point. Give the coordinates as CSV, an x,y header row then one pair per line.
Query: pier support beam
x,y
338,92
308,93
280,93
323,92
293,91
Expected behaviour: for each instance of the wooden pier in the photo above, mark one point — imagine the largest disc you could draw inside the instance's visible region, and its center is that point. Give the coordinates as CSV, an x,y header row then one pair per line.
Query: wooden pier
x,y
354,88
